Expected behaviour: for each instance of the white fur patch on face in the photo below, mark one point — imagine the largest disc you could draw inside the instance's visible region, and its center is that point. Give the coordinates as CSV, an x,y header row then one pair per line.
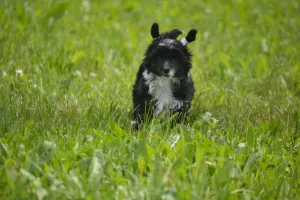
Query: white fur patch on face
x,y
167,65
172,72
160,88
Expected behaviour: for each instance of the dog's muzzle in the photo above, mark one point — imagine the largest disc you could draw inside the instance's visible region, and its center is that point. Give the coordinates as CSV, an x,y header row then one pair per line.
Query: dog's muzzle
x,y
167,70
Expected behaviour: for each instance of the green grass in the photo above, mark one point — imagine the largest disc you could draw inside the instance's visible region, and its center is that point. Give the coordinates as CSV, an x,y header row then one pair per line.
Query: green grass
x,y
65,121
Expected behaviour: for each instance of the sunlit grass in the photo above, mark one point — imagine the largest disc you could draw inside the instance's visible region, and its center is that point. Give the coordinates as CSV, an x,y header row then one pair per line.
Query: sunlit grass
x,y
66,74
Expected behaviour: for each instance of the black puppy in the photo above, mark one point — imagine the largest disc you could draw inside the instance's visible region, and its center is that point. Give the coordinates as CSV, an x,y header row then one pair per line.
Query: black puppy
x,y
163,83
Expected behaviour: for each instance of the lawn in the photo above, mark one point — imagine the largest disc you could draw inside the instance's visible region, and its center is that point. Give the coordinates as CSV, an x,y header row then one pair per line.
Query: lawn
x,y
66,73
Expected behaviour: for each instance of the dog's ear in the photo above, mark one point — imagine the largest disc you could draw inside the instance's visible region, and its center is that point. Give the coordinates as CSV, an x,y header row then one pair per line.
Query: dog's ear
x,y
191,36
154,30
173,34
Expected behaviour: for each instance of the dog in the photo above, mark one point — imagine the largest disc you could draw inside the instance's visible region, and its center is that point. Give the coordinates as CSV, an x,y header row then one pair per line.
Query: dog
x,y
163,83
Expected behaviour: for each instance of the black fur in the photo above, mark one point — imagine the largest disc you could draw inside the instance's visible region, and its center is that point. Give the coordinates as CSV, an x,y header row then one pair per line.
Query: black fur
x,y
155,30
173,34
168,61
191,35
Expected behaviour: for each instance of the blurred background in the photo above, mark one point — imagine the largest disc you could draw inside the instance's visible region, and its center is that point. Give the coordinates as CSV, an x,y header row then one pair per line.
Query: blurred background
x,y
246,54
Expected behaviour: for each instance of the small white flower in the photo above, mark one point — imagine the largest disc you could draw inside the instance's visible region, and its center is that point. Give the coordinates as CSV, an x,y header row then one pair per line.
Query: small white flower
x,y
214,120
21,149
19,72
242,145
78,73
49,145
264,45
230,73
174,140
206,35
207,116
208,10
89,138
93,74
76,147
287,169
86,5
85,18
211,163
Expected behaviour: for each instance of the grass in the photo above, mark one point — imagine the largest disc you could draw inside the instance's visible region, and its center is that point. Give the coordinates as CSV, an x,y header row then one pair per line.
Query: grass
x,y
67,69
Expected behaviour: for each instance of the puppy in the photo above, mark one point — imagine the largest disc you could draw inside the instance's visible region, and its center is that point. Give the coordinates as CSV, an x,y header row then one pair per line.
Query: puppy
x,y
163,83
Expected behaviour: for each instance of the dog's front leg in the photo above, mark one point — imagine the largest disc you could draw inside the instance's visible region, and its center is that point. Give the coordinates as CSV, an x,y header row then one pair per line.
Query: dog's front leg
x,y
142,113
182,112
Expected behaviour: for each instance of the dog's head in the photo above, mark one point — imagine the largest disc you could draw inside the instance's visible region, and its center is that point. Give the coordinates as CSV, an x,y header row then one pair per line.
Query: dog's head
x,y
167,56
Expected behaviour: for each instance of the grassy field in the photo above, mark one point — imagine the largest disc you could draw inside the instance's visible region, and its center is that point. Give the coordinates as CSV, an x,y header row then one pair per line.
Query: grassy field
x,y
66,74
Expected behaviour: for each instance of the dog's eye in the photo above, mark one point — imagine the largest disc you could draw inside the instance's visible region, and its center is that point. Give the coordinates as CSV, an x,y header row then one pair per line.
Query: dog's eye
x,y
174,59
159,59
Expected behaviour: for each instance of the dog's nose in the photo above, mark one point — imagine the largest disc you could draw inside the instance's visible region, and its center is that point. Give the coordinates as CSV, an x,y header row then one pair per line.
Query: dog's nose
x,y
166,71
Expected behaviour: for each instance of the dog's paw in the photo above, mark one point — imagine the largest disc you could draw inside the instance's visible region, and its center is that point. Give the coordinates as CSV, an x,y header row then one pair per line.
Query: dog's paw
x,y
134,124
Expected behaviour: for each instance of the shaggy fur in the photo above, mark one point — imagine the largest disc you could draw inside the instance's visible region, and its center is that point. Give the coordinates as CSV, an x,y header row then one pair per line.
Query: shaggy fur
x,y
163,83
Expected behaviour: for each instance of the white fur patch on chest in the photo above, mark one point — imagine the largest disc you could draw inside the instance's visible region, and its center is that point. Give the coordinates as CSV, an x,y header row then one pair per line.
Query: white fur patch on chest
x,y
160,88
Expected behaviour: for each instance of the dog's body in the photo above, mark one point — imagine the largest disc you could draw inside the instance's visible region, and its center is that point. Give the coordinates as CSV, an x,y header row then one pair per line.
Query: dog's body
x,y
163,83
